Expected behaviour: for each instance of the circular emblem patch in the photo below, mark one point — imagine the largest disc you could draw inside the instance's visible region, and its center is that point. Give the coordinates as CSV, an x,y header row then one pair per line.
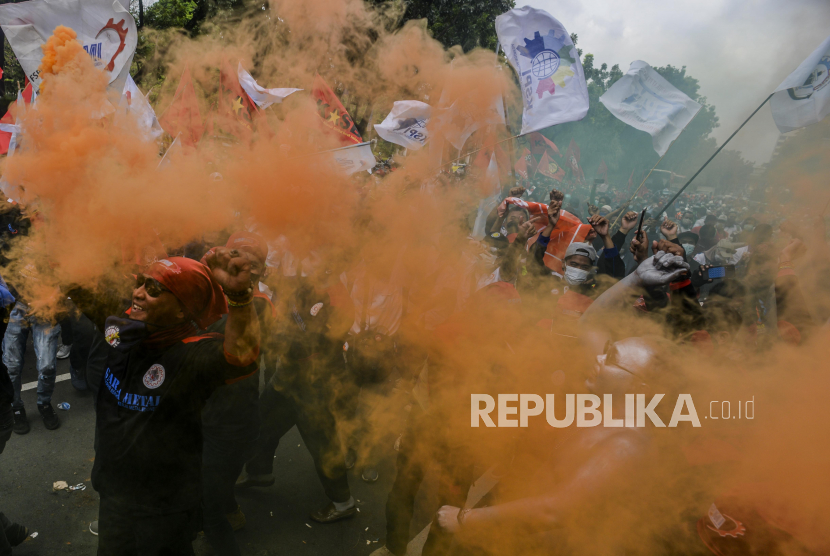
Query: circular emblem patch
x,y
111,335
154,377
316,309
495,234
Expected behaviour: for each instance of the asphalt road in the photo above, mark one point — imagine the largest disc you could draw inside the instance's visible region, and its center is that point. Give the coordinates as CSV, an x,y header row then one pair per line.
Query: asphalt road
x,y
277,517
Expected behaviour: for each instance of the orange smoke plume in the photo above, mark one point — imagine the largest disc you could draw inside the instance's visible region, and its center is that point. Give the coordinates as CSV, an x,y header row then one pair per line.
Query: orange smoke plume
x,y
59,53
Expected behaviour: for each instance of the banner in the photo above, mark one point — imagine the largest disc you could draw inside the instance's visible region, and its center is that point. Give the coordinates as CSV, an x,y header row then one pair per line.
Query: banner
x,y
261,96
572,160
354,158
550,168
550,72
522,166
803,98
183,116
406,124
643,99
105,29
539,144
332,112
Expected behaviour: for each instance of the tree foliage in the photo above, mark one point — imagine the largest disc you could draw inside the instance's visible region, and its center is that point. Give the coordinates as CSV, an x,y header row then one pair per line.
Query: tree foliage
x,y
169,13
468,23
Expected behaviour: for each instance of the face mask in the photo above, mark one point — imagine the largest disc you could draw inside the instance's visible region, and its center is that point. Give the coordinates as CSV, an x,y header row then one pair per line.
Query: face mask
x,y
689,249
123,334
574,276
748,227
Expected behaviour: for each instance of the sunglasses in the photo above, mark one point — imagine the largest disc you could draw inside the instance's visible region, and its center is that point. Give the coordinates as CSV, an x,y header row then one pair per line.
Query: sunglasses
x,y
153,287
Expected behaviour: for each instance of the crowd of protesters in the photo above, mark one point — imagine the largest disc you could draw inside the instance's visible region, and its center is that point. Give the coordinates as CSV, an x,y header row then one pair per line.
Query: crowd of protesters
x,y
202,358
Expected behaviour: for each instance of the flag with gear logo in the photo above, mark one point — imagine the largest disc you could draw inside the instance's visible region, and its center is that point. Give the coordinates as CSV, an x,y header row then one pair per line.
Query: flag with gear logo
x,y
550,168
333,113
550,72
105,28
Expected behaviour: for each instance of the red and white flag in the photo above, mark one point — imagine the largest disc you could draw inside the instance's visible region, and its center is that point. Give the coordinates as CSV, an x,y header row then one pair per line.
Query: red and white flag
x,y
334,115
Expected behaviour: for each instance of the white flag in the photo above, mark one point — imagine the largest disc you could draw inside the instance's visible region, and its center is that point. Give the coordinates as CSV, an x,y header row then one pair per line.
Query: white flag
x,y
643,99
133,101
261,96
104,27
804,97
353,158
550,72
406,124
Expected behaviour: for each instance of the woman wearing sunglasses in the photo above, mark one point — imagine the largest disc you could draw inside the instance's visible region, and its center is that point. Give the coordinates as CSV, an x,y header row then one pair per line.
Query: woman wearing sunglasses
x,y
160,370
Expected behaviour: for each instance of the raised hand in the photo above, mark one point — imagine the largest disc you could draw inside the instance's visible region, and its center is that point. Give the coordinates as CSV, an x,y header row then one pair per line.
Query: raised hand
x,y
517,191
447,518
231,269
668,247
669,229
600,225
699,276
629,221
639,247
527,230
592,209
661,269
554,212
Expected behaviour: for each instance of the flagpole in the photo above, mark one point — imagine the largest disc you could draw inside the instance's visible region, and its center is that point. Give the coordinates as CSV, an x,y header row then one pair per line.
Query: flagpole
x,y
676,195
645,179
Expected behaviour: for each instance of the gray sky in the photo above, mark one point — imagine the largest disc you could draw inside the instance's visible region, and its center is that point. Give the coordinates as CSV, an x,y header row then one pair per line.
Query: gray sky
x,y
739,50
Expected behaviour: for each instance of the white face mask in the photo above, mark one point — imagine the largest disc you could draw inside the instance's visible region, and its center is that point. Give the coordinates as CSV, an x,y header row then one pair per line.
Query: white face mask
x,y
689,249
574,276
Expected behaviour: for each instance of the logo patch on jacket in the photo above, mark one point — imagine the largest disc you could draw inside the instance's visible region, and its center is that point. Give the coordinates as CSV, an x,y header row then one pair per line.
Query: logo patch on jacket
x,y
111,335
154,377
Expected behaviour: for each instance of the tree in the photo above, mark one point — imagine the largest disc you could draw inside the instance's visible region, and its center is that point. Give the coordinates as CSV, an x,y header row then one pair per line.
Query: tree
x,y
10,68
170,13
468,23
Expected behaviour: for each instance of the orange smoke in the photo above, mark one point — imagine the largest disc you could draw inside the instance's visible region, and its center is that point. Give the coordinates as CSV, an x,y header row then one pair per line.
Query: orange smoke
x,y
86,166
60,53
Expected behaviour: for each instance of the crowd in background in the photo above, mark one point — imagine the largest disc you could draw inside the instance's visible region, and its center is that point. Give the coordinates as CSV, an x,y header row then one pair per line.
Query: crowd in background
x,y
335,359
